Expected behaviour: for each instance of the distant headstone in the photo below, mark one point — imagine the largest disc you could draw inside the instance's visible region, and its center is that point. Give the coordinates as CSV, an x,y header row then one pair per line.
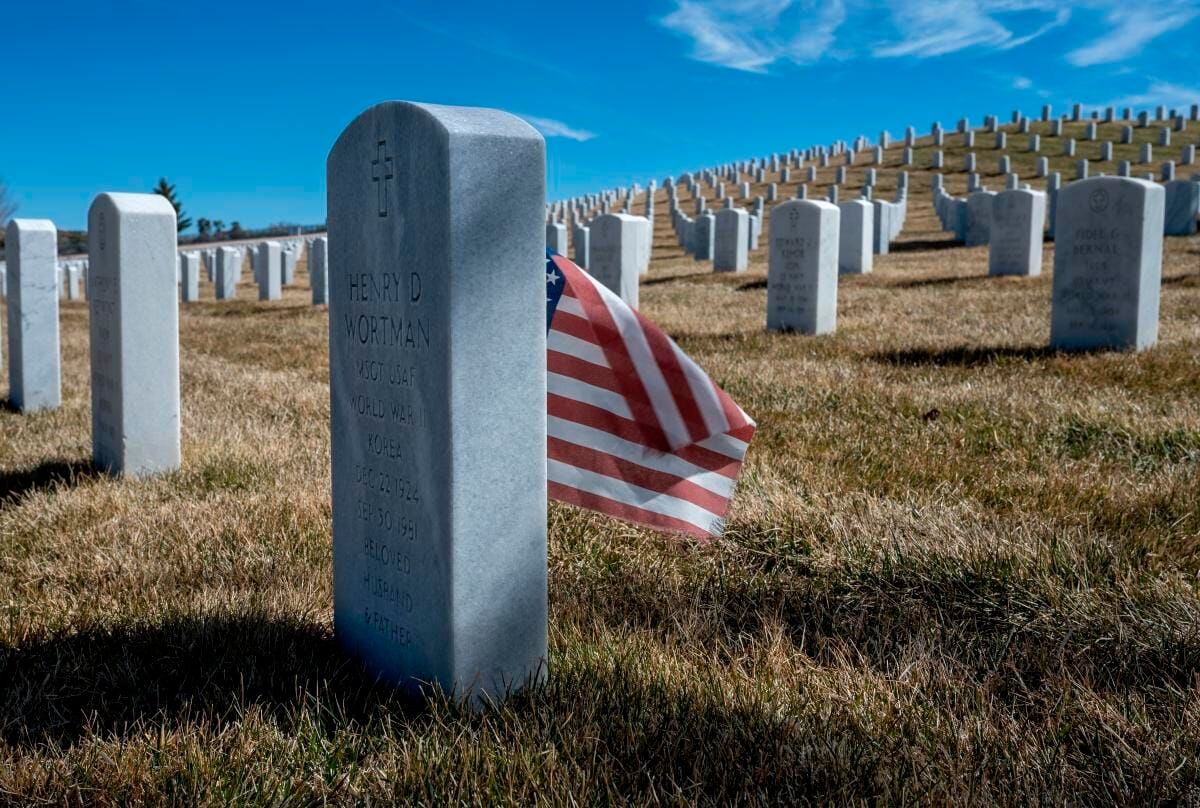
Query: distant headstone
x,y
134,330
556,237
1015,241
1182,207
269,271
34,363
881,224
583,246
731,241
189,277
803,267
1107,264
229,264
703,235
856,242
430,582
318,270
979,218
287,267
615,254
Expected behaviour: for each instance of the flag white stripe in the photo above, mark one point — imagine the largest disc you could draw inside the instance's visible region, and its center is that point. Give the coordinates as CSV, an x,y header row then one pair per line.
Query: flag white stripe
x,y
576,347
648,371
727,445
576,390
629,494
703,392
592,438
571,305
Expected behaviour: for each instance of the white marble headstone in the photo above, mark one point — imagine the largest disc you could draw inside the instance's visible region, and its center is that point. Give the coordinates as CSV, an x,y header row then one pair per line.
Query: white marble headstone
x,y
438,419
134,329
1107,264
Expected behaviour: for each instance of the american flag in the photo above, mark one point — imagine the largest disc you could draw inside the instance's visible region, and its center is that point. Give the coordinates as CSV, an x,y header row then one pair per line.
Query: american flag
x,y
636,429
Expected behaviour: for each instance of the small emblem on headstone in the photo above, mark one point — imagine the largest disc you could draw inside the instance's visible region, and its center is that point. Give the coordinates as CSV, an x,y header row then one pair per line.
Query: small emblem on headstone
x,y
1098,201
381,173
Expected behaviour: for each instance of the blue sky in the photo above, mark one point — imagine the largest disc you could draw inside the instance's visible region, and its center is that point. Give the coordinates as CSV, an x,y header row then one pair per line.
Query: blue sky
x,y
238,103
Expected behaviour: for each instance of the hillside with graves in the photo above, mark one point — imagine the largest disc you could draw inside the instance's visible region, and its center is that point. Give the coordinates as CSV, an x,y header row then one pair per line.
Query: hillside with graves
x,y
274,524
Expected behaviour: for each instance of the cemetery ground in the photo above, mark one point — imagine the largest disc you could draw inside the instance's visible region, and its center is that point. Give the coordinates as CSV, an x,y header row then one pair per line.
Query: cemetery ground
x,y
959,567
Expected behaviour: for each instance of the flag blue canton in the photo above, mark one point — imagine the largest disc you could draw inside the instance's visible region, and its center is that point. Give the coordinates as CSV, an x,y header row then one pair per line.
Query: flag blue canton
x,y
554,288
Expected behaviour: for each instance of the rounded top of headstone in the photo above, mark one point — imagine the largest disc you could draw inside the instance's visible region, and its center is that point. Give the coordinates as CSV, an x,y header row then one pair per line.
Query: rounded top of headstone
x,y
134,203
453,121
31,225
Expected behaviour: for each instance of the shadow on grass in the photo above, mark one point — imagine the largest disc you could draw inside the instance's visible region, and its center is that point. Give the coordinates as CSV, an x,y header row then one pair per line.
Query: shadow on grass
x,y
923,245
127,682
919,283
103,681
15,484
963,356
665,279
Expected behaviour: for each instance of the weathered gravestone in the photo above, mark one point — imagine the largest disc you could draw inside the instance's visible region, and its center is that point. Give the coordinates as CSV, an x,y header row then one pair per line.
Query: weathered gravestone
x,y
34,364
881,226
556,237
189,277
1182,207
803,267
979,218
439,499
287,267
856,237
229,266
318,270
731,241
583,246
269,271
1107,264
1015,242
615,254
134,334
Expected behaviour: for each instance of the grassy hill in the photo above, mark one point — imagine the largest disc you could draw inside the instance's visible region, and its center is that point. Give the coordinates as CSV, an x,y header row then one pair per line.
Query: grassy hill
x,y
960,568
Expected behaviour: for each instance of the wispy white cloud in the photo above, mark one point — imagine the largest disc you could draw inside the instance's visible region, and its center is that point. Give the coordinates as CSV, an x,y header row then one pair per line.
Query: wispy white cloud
x,y
1159,92
754,35
552,128
751,35
1131,28
1022,83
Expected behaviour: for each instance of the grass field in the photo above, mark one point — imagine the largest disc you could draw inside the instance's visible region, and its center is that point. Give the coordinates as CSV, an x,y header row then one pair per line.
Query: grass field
x,y
959,568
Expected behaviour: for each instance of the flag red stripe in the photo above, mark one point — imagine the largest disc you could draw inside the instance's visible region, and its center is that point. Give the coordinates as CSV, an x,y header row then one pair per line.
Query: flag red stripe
x,y
576,368
621,469
677,383
671,386
572,325
597,418
630,513
608,337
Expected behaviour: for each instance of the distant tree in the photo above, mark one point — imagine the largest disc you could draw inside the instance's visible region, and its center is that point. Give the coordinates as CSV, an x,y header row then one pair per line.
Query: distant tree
x,y
203,227
166,189
236,231
218,226
8,205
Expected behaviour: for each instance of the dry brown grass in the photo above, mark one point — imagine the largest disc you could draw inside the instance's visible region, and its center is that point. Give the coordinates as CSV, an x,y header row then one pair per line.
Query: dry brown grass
x,y
960,568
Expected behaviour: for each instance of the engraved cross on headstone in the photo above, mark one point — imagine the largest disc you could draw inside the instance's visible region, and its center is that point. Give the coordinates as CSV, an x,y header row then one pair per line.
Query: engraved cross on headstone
x,y
381,173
